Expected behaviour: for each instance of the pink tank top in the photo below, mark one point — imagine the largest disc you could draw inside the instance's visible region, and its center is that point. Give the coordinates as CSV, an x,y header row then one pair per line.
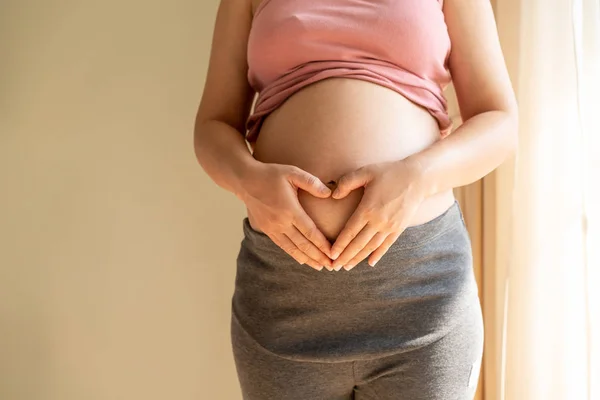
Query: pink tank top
x,y
400,44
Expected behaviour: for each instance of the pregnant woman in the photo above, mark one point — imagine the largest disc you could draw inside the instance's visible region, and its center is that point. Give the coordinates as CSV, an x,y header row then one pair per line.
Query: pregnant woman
x,y
354,278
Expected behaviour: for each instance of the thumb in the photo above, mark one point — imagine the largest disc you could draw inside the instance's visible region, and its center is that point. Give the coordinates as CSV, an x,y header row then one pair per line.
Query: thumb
x,y
350,182
310,183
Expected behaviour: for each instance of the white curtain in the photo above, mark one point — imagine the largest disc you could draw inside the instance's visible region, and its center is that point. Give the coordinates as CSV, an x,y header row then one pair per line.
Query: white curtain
x,y
549,232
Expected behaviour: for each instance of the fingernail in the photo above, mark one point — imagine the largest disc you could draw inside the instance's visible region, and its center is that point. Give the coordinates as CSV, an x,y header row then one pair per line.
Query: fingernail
x,y
339,267
348,267
375,262
335,255
320,269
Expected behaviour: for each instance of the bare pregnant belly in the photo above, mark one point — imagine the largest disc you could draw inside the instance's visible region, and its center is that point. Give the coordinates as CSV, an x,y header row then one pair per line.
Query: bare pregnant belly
x,y
338,125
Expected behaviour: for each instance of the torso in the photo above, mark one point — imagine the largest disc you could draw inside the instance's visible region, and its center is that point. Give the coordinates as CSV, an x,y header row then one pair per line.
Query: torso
x,y
337,125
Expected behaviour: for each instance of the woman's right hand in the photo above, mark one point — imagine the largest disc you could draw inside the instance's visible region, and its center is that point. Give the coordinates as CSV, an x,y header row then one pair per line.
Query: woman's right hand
x,y
270,192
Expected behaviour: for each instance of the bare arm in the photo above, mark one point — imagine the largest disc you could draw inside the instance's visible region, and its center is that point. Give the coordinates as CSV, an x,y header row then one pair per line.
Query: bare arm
x,y
226,101
270,191
486,100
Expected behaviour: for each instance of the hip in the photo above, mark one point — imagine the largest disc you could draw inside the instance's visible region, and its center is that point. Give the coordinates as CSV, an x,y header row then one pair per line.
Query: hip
x,y
414,295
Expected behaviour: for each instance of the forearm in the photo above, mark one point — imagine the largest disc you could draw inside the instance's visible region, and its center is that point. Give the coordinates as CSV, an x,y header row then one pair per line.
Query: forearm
x,y
222,152
474,150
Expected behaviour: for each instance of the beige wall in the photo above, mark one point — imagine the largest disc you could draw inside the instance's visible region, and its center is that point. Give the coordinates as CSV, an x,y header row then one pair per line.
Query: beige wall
x,y
117,254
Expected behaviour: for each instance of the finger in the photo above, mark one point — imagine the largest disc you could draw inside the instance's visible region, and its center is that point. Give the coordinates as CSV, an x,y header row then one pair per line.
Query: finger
x,y
351,229
351,181
385,246
309,229
308,248
310,183
355,246
289,247
373,245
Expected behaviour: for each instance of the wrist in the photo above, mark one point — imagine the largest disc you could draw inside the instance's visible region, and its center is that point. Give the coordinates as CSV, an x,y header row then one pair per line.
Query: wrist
x,y
244,177
420,176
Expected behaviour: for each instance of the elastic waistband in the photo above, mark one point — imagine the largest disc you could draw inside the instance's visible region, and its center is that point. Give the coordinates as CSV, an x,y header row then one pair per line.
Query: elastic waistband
x,y
412,237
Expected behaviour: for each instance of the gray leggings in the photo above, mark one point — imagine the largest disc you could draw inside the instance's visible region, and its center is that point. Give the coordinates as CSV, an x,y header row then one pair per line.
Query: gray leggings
x,y
410,328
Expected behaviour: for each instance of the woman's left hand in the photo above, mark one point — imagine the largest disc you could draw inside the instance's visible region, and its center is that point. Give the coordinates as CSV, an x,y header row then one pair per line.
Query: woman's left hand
x,y
393,193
